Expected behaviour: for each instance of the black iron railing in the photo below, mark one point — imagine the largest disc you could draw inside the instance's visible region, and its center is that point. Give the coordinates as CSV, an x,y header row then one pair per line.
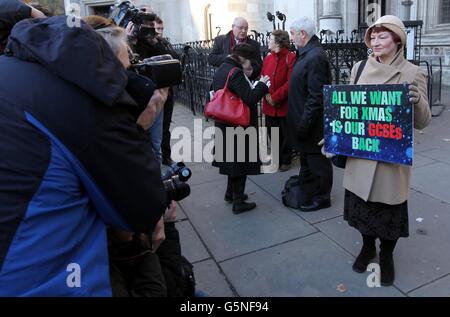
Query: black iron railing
x,y
197,74
343,52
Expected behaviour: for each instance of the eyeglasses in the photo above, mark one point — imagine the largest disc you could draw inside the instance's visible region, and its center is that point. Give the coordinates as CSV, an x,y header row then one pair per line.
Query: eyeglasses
x,y
242,28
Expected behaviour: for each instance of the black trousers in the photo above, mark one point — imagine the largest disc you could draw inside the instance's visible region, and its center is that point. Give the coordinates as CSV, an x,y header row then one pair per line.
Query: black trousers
x,y
285,150
168,112
387,246
316,176
236,188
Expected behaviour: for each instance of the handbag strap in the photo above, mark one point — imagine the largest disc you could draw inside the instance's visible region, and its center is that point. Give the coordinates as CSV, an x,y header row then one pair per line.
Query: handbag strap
x,y
359,71
229,76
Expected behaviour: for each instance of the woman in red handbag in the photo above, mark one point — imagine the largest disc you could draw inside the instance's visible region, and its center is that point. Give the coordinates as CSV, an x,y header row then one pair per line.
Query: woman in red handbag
x,y
278,66
228,163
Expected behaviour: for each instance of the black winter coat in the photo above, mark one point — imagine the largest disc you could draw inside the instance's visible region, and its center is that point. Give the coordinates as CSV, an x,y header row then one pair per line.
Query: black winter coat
x,y
311,72
222,48
79,96
11,12
239,85
160,47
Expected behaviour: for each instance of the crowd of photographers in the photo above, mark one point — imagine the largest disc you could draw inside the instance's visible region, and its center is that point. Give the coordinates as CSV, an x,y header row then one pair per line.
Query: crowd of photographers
x,y
85,208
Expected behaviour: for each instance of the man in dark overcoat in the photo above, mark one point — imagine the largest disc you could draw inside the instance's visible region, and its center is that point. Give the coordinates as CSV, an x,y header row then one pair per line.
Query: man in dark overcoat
x,y
305,115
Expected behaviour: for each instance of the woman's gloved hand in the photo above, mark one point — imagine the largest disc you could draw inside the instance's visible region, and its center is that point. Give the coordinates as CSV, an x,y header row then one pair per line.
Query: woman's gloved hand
x,y
326,154
414,94
265,80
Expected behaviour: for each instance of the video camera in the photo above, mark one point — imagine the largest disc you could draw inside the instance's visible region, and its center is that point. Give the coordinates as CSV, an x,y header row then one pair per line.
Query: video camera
x,y
163,70
125,13
174,180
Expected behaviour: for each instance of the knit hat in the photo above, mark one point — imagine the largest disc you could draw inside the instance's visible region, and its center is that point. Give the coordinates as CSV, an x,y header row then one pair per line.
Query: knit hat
x,y
390,22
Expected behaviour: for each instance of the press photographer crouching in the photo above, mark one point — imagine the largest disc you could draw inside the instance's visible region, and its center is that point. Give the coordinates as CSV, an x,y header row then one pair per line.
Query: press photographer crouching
x,y
141,266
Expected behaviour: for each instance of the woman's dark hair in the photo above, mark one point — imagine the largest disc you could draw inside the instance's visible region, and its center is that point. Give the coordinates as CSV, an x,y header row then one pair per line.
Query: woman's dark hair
x,y
243,50
282,38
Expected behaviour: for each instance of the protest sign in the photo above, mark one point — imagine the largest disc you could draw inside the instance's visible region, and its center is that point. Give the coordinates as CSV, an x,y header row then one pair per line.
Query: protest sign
x,y
373,122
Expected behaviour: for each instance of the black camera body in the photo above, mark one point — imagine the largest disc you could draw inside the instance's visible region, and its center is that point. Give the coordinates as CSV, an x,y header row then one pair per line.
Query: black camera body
x,y
163,70
175,182
125,13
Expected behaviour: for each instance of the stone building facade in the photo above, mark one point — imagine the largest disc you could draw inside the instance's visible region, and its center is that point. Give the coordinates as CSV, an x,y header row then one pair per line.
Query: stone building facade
x,y
192,20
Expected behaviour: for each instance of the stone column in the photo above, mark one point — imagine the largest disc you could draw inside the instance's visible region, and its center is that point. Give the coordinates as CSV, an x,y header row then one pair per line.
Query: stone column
x,y
331,18
405,11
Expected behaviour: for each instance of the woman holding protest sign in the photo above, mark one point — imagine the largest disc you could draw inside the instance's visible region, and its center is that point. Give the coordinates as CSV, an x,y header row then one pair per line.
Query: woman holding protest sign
x,y
377,192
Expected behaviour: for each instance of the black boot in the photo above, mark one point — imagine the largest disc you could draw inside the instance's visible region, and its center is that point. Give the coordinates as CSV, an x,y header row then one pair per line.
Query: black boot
x,y
229,193
367,254
387,262
239,204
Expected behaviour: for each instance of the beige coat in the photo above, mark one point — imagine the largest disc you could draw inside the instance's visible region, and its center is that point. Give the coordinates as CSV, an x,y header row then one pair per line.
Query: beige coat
x,y
377,181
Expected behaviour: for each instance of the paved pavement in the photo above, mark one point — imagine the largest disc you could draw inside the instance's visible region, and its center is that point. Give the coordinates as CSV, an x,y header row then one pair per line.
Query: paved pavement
x,y
275,251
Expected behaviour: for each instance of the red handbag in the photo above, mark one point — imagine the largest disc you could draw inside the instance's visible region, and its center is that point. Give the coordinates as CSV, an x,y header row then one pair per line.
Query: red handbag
x,y
226,107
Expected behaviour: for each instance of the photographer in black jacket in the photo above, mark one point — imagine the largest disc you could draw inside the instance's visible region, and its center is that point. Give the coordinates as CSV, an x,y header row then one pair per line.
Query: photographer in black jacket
x,y
74,161
149,46
11,12
134,268
168,107
139,266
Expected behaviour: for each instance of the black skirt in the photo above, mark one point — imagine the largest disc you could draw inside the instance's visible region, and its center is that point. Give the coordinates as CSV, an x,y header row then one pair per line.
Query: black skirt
x,y
387,222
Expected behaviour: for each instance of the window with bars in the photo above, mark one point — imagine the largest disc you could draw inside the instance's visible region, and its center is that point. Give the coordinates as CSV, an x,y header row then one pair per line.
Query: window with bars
x,y
444,12
103,11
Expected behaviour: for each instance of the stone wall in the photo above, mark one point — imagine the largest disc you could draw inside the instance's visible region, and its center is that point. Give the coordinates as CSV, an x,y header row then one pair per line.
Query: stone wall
x,y
187,20
54,6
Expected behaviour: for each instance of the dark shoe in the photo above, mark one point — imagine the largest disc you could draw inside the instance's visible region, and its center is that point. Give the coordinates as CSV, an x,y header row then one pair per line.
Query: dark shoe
x,y
168,161
363,260
314,206
387,269
241,207
284,168
229,197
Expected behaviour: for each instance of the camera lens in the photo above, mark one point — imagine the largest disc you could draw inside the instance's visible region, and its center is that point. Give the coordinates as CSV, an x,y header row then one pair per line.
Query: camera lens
x,y
178,169
184,174
176,190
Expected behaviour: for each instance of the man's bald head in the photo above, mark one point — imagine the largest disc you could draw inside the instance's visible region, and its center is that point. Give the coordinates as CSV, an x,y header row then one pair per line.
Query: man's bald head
x,y
240,28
